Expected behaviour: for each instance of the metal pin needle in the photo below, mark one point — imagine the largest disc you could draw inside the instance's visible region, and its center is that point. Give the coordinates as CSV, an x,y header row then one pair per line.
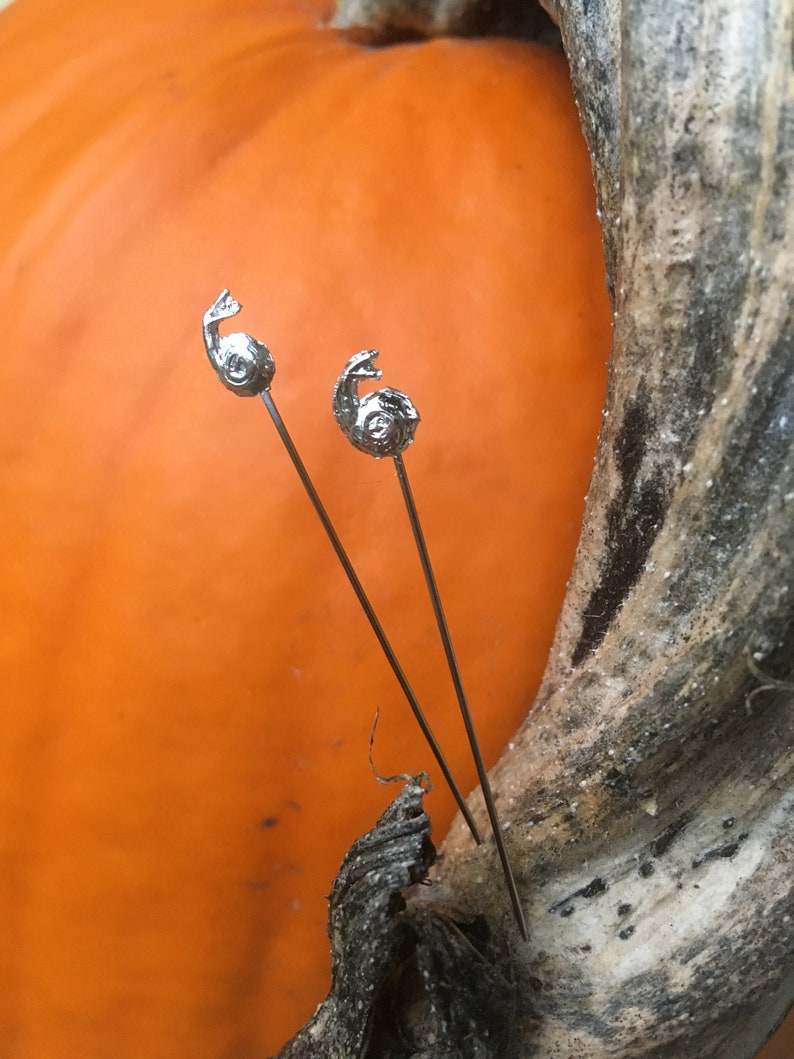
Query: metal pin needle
x,y
383,424
460,693
246,367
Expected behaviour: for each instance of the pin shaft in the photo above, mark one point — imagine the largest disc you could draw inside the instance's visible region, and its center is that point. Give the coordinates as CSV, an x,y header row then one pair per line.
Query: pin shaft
x,y
457,681
374,622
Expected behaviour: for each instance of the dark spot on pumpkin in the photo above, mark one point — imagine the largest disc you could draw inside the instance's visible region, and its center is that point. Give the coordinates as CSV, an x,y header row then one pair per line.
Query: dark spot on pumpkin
x,y
592,889
269,821
664,841
634,518
620,783
722,852
597,886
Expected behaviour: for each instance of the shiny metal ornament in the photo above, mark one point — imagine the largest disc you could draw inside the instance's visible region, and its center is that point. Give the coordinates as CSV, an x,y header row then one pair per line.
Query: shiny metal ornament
x,y
381,424
246,367
242,364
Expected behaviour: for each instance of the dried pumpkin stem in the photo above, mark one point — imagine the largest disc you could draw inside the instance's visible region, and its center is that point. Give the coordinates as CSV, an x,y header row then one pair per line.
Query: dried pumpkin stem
x,y
653,780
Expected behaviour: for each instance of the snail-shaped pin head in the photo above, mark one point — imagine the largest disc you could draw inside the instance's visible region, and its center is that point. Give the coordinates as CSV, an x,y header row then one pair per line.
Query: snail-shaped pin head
x,y
242,364
381,424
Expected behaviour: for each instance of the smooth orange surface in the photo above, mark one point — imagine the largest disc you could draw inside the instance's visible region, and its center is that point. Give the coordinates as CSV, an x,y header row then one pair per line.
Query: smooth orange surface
x,y
188,686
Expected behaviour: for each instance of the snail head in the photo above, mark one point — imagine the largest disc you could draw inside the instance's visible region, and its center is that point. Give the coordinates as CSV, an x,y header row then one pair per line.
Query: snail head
x,y
362,365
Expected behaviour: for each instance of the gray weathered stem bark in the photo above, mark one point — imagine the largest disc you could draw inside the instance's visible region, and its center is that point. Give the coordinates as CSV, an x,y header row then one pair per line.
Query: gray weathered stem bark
x,y
649,791
652,762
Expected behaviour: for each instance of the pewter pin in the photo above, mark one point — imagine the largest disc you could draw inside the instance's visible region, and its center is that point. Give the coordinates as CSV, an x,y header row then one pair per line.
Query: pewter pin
x,y
242,364
389,436
246,367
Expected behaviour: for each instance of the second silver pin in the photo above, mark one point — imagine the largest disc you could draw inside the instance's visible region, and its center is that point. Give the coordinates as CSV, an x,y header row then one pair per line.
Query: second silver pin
x,y
383,423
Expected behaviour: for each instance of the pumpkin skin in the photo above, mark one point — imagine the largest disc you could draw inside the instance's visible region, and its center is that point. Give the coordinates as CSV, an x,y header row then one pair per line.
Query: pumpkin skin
x,y
189,686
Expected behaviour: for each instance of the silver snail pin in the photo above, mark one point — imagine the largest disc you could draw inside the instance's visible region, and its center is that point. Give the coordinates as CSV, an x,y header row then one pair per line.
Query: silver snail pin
x,y
382,423
242,364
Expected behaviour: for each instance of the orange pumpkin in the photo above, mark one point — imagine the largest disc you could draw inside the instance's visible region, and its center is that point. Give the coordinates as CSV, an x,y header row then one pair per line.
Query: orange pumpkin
x,y
188,685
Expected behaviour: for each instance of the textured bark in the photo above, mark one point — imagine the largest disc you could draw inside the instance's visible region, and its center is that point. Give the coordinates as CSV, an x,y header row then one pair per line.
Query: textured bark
x,y
385,21
407,982
649,793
